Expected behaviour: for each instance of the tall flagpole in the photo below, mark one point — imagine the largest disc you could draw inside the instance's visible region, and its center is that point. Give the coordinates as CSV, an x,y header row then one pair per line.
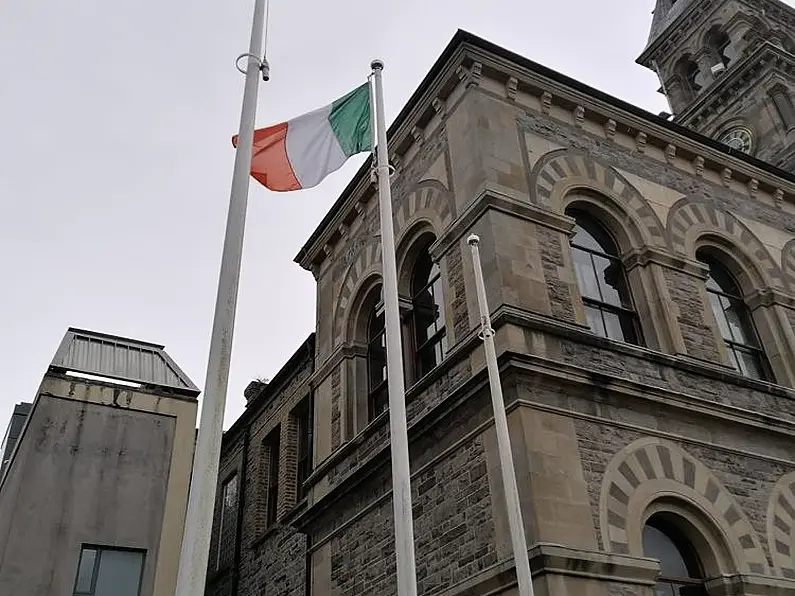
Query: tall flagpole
x,y
515,522
199,517
401,486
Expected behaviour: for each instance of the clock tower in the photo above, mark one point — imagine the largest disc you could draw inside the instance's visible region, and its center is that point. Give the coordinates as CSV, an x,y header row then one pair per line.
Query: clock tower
x,y
727,68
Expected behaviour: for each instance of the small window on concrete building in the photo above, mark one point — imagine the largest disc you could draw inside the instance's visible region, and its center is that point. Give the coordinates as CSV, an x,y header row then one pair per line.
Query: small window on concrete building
x,y
109,572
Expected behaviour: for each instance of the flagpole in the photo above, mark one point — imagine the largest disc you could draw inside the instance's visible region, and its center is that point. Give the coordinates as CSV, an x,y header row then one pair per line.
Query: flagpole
x,y
515,523
194,554
401,485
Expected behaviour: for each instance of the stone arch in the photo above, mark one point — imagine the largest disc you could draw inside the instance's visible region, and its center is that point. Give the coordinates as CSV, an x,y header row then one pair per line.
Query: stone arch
x,y
429,200
781,526
691,220
560,173
788,260
651,469
365,265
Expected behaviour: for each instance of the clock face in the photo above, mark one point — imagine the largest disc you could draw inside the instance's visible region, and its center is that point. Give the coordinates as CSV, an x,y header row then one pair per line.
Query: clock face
x,y
739,138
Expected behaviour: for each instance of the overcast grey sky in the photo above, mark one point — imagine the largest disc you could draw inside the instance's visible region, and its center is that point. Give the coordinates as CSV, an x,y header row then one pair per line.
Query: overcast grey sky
x,y
116,161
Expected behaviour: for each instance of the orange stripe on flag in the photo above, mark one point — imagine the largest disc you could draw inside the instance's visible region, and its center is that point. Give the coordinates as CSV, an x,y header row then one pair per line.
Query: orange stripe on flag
x,y
269,162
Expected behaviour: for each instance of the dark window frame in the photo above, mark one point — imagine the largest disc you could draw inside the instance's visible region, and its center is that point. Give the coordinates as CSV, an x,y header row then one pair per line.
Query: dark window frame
x,y
727,290
304,449
693,584
233,477
273,445
377,387
98,550
437,339
627,314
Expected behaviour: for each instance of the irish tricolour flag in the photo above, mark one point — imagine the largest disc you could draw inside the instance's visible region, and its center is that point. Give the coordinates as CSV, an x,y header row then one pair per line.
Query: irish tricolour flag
x,y
301,152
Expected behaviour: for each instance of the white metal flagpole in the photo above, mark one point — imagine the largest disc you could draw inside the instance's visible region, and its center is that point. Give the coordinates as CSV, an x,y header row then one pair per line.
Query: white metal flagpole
x,y
401,484
199,517
515,522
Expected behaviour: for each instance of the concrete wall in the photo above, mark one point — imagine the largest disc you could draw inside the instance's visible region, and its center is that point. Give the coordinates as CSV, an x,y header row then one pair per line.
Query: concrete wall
x,y
83,473
136,456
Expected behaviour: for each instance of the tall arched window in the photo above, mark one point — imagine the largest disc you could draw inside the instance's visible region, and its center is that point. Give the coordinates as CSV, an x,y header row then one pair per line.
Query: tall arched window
x,y
680,569
734,321
603,281
688,72
378,396
718,43
430,340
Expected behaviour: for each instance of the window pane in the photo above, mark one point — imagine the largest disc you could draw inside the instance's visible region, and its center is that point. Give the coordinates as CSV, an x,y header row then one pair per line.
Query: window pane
x,y
739,322
586,276
657,545
85,571
594,316
664,589
119,573
720,317
230,493
613,326
583,238
748,363
610,280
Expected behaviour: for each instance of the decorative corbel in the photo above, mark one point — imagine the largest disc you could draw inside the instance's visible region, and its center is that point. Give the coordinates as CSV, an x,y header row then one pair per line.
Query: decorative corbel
x,y
418,134
510,88
579,116
640,142
546,102
753,187
698,165
670,153
778,197
439,106
726,176
610,129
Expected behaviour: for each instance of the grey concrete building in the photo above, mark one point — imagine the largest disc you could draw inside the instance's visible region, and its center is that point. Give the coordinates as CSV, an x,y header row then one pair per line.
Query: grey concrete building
x,y
641,275
93,499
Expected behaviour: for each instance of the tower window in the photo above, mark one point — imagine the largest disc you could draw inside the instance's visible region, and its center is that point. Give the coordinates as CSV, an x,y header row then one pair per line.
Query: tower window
x,y
603,282
718,43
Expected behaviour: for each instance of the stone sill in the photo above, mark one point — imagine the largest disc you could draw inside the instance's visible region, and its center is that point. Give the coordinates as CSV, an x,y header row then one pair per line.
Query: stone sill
x,y
554,559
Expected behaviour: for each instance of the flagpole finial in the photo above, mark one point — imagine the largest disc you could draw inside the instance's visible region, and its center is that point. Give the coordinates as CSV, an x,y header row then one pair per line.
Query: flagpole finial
x,y
377,64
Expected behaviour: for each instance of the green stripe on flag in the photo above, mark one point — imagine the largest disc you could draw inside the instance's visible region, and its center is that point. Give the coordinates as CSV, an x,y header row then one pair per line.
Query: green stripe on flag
x,y
350,121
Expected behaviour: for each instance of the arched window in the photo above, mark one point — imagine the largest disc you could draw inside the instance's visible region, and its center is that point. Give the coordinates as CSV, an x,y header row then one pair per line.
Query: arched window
x,y
688,72
734,321
603,282
430,340
718,43
378,396
680,569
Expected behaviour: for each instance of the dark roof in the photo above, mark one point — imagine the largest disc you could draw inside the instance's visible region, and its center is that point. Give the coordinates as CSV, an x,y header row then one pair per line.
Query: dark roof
x,y
120,358
462,38
665,13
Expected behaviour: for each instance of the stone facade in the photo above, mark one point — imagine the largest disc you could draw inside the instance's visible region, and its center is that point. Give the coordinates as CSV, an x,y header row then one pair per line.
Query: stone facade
x,y
604,433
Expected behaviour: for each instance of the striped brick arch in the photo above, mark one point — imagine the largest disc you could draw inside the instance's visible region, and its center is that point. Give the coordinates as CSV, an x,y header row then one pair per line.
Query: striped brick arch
x,y
651,469
561,171
364,265
788,261
429,199
688,220
781,526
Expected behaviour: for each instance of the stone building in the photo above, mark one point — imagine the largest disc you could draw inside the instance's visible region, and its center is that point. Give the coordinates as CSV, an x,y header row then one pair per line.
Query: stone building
x,y
93,499
641,275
